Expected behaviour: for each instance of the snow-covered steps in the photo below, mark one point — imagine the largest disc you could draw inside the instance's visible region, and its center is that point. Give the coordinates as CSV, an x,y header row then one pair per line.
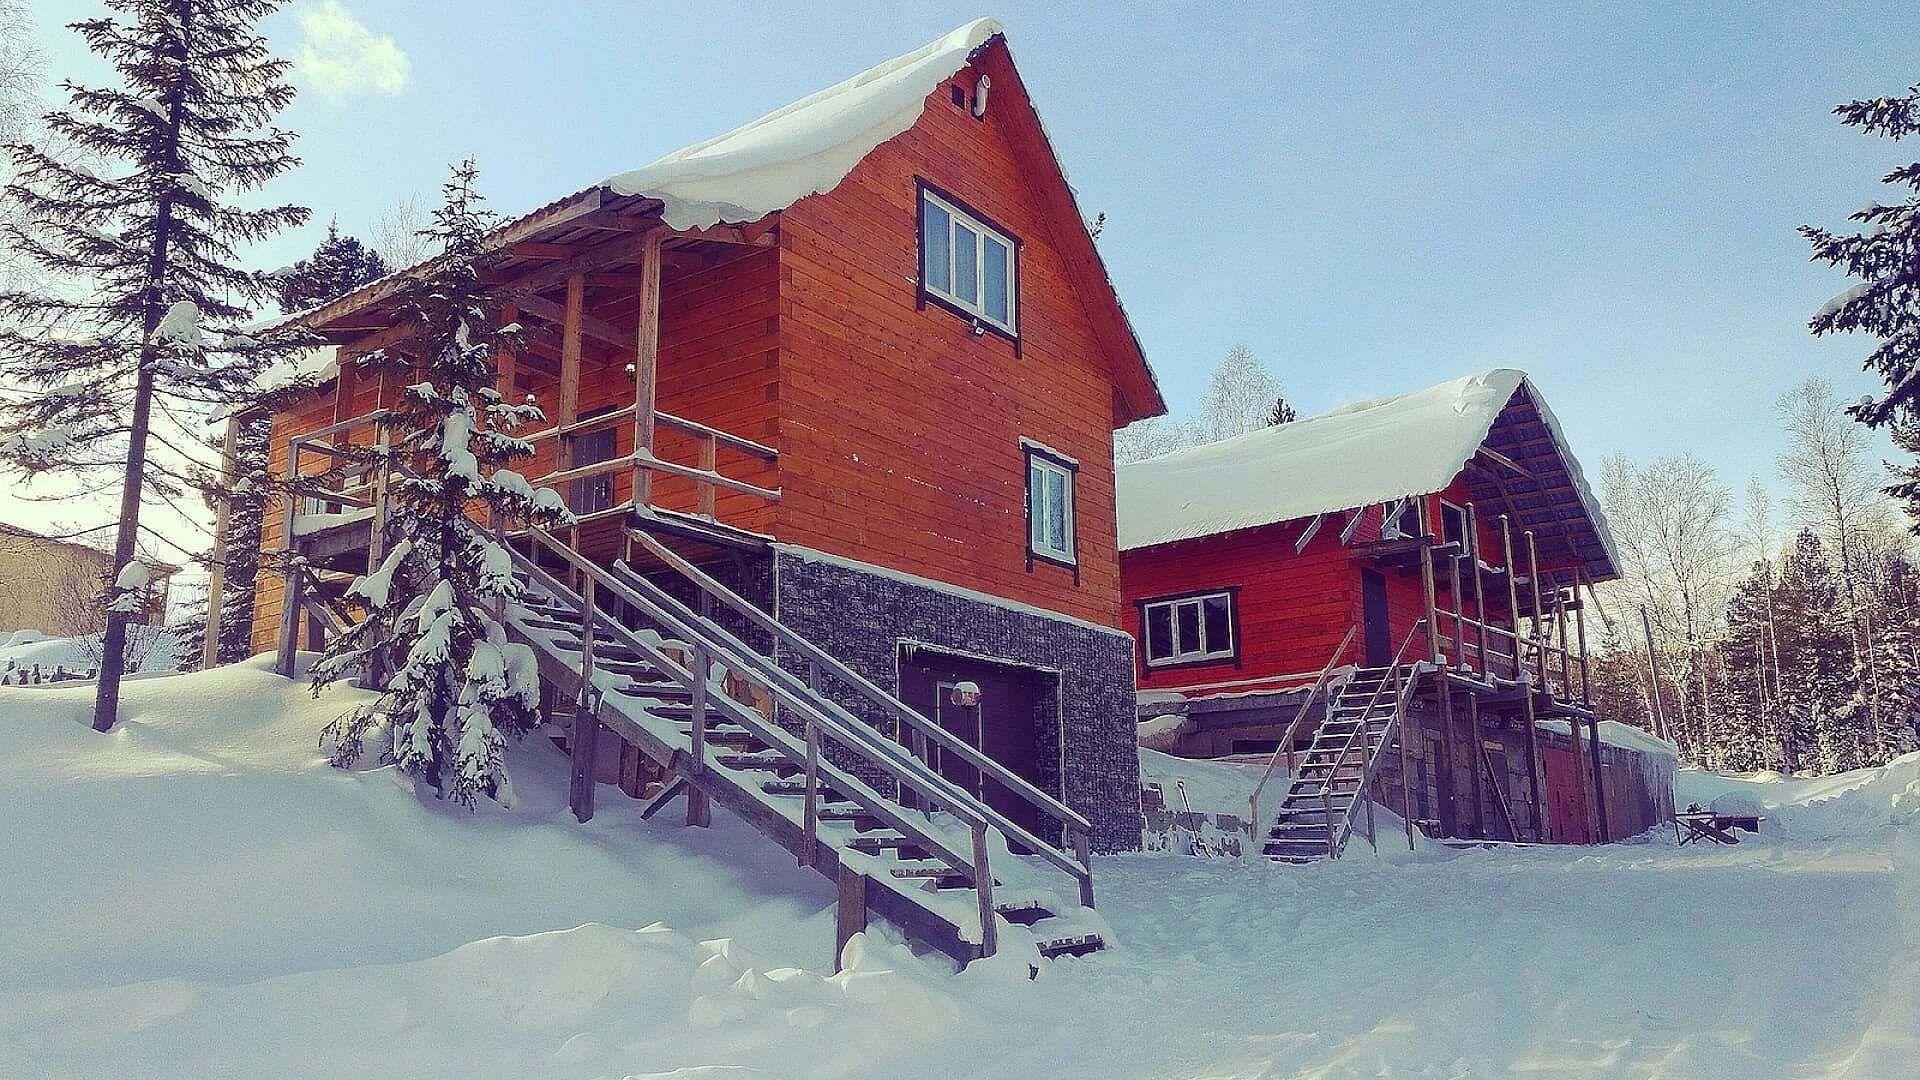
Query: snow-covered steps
x,y
714,729
1361,723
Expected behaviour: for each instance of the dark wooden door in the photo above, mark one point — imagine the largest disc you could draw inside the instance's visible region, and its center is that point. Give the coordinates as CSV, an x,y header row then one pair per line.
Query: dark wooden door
x,y
1001,725
1373,615
1442,775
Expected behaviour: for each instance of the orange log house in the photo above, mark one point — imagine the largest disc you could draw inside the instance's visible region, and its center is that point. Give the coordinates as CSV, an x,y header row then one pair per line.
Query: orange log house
x,y
857,364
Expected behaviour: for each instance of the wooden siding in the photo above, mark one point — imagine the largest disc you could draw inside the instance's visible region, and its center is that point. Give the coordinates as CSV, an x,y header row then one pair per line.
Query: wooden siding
x,y
1292,609
901,429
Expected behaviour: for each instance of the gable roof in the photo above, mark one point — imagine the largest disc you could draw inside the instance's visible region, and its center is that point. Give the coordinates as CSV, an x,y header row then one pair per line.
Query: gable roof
x,y
805,148
808,148
1368,453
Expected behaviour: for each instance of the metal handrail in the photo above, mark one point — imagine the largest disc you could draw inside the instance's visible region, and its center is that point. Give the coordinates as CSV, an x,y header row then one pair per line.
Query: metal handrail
x,y
1286,740
1402,690
896,708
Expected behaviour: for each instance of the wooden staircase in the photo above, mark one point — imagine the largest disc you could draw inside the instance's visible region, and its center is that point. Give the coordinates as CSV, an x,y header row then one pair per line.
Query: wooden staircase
x,y
1361,724
829,787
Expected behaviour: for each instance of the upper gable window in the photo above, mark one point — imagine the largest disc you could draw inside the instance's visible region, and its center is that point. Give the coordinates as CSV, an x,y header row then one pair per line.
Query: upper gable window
x,y
967,263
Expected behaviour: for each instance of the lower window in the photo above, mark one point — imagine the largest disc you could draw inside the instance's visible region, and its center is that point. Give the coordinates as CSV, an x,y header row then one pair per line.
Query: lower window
x,y
1186,629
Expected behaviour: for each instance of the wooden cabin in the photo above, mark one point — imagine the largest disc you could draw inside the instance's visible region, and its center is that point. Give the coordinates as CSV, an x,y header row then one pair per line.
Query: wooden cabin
x,y
856,364
1445,536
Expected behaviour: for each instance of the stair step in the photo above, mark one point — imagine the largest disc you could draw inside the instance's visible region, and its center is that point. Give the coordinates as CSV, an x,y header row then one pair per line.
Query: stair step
x,y
861,819
1073,945
872,844
798,788
934,871
757,763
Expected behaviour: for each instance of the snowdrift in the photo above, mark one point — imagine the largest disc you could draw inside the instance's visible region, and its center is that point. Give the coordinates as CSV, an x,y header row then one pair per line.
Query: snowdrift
x,y
197,894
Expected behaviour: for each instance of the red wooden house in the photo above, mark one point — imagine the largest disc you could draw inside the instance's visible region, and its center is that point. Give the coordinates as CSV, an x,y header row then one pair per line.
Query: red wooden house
x,y
1391,596
833,396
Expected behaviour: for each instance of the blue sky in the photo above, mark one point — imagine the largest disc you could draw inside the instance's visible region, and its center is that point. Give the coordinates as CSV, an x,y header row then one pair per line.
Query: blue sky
x,y
1374,197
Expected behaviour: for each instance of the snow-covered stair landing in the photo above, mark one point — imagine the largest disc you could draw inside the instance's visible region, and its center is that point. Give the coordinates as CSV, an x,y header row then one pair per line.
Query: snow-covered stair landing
x,y
947,878
1316,817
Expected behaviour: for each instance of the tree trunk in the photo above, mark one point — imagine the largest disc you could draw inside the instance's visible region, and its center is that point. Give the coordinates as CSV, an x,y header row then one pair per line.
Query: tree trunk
x,y
106,700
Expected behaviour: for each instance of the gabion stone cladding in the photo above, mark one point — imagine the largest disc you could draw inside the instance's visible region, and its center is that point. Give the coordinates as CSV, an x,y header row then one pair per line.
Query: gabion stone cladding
x,y
864,618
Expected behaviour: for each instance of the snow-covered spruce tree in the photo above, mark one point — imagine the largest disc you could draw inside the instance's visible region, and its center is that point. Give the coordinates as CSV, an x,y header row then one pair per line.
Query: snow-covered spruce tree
x,y
115,384
1282,412
338,266
458,689
1886,303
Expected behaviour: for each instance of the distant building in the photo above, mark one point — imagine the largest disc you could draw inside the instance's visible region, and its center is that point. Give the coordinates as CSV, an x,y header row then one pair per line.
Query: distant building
x,y
54,585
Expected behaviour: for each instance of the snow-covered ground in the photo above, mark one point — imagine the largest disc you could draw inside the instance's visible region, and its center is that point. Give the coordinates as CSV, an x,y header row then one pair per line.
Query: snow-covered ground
x,y
198,895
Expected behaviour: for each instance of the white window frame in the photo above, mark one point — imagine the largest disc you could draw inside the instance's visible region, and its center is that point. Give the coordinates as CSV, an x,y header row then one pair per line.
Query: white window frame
x,y
981,230
1038,533
1180,655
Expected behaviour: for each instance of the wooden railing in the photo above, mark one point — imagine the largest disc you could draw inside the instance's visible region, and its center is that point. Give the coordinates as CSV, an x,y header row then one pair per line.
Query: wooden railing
x,y
822,720
1466,634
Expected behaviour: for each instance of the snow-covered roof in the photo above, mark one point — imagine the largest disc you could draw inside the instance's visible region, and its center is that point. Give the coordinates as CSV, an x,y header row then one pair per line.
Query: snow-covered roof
x,y
1363,454
807,147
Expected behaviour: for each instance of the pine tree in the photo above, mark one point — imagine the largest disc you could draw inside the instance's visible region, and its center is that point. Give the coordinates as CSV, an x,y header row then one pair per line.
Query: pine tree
x,y
247,497
1282,412
154,346
459,689
339,265
1747,734
1886,303
1816,670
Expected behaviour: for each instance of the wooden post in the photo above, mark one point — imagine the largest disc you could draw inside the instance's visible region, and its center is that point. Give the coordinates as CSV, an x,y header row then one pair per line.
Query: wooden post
x,y
1479,788
983,891
709,461
646,365
1539,808
222,525
586,721
568,405
811,816
1560,635
1479,590
1513,595
1083,853
1599,777
1459,657
1533,581
699,811
1449,820
1580,780
1580,632
1406,781
1433,622
850,916
289,637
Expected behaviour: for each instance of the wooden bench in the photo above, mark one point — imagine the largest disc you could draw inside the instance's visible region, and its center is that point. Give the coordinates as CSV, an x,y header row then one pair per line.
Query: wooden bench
x,y
1694,824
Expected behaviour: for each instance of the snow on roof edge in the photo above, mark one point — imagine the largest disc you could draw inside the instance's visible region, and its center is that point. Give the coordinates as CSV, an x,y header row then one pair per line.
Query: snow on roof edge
x,y
1341,459
804,148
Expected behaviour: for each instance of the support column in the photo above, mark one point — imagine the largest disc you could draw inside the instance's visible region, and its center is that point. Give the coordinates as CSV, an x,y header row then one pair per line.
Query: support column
x,y
1449,820
1537,805
1479,767
1599,779
288,641
646,365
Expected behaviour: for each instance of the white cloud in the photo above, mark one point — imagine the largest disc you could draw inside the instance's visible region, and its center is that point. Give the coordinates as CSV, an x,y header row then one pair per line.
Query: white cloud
x,y
340,57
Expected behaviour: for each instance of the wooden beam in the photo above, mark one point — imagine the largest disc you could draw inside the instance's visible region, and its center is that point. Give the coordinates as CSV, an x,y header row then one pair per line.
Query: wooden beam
x,y
572,320
1507,461
646,366
598,329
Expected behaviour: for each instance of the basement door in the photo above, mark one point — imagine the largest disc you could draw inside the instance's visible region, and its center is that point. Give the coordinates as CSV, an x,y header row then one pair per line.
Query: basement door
x,y
1000,724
